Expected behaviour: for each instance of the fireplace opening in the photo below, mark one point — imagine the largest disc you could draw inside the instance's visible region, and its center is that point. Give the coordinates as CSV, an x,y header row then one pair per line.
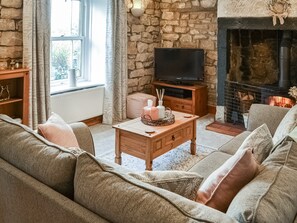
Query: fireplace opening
x,y
262,66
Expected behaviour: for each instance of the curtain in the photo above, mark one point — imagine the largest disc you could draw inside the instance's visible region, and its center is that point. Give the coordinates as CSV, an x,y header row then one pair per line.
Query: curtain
x,y
36,56
116,63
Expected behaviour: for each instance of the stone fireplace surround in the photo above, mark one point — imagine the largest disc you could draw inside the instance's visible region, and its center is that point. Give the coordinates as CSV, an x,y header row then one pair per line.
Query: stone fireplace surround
x,y
243,23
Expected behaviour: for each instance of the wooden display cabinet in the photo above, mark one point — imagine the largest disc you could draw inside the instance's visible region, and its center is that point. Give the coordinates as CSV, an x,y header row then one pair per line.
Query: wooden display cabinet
x,y
18,84
194,103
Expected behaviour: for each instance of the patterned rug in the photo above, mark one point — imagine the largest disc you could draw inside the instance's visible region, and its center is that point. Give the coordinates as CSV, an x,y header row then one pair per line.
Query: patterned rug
x,y
176,159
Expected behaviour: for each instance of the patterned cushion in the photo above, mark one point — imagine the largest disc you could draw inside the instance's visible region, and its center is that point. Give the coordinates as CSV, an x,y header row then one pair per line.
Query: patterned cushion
x,y
223,184
183,183
57,131
287,124
118,197
270,196
260,140
31,153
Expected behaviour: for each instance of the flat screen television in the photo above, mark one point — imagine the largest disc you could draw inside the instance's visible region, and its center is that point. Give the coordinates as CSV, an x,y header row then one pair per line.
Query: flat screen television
x,y
179,65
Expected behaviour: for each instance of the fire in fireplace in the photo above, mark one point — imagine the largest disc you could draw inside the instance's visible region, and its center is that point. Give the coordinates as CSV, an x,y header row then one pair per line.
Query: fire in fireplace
x,y
280,101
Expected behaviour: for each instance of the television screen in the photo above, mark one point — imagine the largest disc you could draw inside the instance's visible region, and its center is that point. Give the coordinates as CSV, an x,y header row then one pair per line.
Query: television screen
x,y
180,65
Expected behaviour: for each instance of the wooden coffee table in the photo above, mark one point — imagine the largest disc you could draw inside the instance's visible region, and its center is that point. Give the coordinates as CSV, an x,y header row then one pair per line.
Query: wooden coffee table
x,y
134,138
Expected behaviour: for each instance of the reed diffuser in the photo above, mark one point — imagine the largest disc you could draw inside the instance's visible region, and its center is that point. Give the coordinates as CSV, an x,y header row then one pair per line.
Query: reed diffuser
x,y
160,107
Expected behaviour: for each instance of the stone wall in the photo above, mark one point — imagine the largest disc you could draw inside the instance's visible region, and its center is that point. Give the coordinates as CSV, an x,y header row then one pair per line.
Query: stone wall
x,y
143,37
167,23
11,40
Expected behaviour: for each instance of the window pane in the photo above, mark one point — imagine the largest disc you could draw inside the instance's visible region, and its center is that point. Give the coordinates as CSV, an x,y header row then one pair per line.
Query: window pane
x,y
64,56
65,18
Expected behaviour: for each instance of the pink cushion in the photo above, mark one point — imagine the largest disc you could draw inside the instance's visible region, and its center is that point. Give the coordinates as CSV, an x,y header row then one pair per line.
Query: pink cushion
x,y
219,189
57,131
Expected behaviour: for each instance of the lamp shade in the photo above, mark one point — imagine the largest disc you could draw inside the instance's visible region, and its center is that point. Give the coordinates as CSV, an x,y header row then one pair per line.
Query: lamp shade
x,y
137,12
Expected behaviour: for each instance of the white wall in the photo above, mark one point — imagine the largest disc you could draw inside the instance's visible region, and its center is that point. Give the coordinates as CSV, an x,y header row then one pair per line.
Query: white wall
x,y
79,105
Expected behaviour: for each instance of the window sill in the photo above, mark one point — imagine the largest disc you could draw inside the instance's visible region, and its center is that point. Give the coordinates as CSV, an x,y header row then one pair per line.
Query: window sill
x,y
80,86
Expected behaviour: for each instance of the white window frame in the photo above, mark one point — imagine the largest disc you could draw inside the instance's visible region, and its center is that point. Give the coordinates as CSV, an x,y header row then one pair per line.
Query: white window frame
x,y
58,86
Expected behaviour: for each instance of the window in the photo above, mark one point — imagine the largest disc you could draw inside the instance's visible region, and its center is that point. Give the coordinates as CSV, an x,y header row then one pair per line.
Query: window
x,y
74,47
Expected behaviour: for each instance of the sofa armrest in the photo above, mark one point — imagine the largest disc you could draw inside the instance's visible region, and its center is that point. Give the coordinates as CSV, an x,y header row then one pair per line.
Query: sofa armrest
x,y
84,137
261,113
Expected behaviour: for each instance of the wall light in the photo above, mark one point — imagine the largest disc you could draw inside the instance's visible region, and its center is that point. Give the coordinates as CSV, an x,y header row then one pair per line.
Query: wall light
x,y
138,8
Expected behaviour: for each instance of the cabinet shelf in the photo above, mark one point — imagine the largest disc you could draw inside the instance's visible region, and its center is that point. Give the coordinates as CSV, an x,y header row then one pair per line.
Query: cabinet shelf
x,y
18,84
184,98
10,101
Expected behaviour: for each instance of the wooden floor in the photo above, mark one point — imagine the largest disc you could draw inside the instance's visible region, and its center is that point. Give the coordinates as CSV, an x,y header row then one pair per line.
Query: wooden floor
x,y
226,128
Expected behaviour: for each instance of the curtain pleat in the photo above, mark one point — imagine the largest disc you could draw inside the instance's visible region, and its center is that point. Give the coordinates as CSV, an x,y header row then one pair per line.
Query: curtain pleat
x,y
116,63
36,56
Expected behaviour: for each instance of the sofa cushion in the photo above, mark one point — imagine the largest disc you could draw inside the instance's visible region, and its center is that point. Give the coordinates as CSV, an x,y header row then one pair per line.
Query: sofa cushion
x,y
232,146
183,183
260,140
57,131
287,124
118,197
223,184
210,163
271,115
271,195
284,154
31,153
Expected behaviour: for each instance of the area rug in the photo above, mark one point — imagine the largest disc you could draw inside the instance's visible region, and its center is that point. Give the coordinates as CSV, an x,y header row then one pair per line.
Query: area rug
x,y
176,159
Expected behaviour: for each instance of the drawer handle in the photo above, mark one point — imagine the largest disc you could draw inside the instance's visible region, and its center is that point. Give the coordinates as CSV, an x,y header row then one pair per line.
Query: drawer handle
x,y
173,138
183,107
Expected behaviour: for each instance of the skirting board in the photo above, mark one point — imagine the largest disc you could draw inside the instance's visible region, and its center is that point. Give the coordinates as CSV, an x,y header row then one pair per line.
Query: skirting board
x,y
93,121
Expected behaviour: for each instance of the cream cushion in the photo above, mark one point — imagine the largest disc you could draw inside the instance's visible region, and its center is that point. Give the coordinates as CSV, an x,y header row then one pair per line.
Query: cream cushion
x,y
118,197
57,131
271,195
287,124
218,190
183,183
260,140
51,164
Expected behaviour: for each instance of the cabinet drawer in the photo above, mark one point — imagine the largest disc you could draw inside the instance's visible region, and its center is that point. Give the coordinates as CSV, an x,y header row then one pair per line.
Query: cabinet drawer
x,y
177,106
173,137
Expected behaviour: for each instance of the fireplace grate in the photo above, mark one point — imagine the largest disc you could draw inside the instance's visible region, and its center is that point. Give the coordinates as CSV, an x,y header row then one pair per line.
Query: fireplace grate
x,y
239,97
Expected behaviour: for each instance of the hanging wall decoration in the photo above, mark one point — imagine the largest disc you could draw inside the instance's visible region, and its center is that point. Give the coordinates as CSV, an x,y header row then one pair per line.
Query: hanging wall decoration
x,y
279,10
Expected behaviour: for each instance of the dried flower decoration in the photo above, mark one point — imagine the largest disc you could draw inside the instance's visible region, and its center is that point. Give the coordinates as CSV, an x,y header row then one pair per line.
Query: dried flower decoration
x,y
279,10
293,92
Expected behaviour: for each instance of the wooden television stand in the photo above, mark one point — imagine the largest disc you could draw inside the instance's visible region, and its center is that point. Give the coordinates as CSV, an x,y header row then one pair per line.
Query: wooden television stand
x,y
184,98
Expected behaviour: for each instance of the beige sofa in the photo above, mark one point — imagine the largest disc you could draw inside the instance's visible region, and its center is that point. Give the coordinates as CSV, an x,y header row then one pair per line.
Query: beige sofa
x,y
258,115
42,182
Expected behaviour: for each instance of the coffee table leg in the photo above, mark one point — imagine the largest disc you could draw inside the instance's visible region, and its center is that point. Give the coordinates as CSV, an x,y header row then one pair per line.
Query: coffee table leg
x,y
118,152
148,158
193,140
